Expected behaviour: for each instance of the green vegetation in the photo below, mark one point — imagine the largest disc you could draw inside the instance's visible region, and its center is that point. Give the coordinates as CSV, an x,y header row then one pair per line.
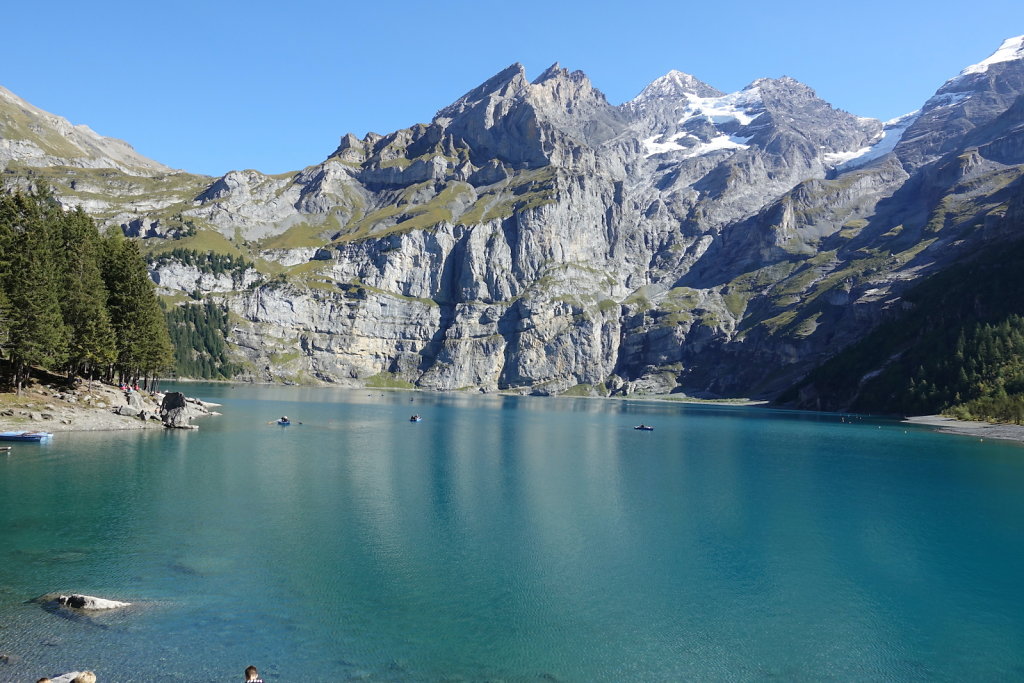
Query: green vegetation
x,y
959,350
586,390
388,380
208,262
526,190
111,192
16,124
198,332
404,215
202,242
73,301
302,235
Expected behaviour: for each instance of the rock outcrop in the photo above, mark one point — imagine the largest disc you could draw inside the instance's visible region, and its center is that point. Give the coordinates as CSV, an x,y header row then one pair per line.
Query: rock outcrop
x,y
175,412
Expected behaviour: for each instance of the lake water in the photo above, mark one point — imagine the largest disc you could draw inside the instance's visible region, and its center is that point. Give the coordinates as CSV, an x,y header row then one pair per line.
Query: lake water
x,y
519,539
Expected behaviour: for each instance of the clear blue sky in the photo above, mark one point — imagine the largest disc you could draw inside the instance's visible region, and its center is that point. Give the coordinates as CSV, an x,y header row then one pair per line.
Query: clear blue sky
x,y
214,86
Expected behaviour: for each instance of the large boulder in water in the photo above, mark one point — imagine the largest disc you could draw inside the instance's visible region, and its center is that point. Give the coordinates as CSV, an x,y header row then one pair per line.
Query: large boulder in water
x,y
89,602
174,411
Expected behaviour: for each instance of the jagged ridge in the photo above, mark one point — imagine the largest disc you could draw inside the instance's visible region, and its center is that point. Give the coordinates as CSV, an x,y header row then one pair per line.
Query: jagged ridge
x,y
534,237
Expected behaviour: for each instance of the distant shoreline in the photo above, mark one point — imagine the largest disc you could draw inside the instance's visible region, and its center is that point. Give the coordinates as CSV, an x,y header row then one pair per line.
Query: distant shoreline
x,y
981,430
947,425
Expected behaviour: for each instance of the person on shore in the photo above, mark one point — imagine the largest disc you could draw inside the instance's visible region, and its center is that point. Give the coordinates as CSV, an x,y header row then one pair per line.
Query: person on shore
x,y
252,675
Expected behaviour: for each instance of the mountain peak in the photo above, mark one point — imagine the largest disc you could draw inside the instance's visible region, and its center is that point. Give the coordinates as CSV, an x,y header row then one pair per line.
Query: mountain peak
x,y
1011,50
676,84
782,82
549,73
511,77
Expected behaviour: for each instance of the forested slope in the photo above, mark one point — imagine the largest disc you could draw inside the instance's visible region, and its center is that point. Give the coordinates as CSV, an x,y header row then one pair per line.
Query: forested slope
x,y
959,350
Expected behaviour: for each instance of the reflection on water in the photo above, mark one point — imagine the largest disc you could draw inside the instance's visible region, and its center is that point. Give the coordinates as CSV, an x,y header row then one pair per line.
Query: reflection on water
x,y
515,538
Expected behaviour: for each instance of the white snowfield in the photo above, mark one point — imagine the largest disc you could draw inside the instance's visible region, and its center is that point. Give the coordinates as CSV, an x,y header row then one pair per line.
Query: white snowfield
x,y
715,144
1011,49
741,107
891,136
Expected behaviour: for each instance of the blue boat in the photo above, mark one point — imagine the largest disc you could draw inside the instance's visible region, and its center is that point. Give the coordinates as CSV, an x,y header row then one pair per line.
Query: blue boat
x,y
644,428
25,436
284,421
415,418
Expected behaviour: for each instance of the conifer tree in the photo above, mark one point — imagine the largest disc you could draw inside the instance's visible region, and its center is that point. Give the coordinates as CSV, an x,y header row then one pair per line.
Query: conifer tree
x,y
37,335
91,345
6,234
143,345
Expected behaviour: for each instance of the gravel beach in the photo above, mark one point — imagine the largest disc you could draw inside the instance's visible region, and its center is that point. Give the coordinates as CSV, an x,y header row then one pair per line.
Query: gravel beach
x,y
53,408
982,430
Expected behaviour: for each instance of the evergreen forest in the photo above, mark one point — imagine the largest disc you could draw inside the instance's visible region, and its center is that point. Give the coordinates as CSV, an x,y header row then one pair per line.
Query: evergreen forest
x,y
198,332
958,351
205,262
72,300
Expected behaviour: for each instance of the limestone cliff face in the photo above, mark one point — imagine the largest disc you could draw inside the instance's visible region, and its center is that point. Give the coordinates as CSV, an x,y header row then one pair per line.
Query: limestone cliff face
x,y
533,237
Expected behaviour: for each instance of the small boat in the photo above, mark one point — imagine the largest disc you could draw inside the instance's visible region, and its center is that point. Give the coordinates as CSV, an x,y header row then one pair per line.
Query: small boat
x,y
644,428
284,421
415,418
25,436
4,449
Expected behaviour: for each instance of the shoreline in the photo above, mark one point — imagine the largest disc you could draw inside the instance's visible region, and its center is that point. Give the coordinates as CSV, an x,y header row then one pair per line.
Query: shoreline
x,y
56,412
981,430
84,409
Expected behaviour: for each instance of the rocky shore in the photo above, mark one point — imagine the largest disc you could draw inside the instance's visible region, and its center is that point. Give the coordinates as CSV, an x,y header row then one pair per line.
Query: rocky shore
x,y
88,407
981,430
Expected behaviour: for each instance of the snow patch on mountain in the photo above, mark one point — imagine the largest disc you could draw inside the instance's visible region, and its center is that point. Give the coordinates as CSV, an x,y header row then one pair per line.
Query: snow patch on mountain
x,y
742,107
892,133
1012,49
946,99
715,144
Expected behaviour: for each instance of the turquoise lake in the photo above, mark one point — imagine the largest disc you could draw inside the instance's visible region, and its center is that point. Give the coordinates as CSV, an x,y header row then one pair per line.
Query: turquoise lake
x,y
519,539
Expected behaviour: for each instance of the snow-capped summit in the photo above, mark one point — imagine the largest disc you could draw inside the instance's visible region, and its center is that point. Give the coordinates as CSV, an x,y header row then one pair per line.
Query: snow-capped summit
x,y
675,84
1011,50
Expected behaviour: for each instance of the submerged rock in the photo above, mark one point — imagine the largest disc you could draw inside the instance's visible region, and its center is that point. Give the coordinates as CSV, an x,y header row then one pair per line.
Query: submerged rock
x,y
69,677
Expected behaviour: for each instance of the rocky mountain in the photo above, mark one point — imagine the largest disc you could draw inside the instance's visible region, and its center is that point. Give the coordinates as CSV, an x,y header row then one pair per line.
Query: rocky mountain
x,y
534,237
32,137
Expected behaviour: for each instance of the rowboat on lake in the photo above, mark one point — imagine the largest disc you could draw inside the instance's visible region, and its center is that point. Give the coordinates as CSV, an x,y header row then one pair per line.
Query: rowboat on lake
x,y
25,436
